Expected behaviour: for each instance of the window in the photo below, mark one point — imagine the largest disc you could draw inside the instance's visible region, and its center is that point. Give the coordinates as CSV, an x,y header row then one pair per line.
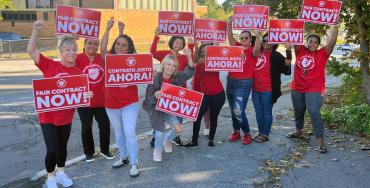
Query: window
x,y
46,16
19,16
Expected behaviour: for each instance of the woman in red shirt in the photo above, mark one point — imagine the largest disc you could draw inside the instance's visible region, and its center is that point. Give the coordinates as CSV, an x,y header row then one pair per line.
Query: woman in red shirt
x,y
122,104
308,85
56,125
266,85
91,63
239,84
214,98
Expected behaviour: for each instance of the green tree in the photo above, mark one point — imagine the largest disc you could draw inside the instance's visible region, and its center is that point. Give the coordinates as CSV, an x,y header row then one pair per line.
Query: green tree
x,y
215,10
355,16
4,4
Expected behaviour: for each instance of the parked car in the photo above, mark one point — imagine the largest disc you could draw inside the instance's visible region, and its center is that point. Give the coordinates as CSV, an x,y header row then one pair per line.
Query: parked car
x,y
10,36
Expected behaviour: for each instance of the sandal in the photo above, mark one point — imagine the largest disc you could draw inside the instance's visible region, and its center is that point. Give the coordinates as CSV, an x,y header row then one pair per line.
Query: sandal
x,y
260,138
295,135
322,149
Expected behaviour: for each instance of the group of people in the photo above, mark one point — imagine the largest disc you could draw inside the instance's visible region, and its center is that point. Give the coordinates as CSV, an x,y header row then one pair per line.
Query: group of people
x,y
118,107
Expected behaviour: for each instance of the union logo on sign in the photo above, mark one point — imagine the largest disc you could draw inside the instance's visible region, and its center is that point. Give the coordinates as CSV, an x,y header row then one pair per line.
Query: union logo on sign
x,y
182,93
61,83
251,9
176,16
212,24
225,51
321,3
130,61
287,24
79,13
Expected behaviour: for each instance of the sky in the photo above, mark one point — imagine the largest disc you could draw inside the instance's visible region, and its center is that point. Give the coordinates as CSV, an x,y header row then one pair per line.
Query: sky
x,y
220,1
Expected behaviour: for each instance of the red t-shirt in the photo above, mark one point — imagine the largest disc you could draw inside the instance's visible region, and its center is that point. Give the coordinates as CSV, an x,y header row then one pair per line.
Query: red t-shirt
x,y
248,65
209,82
309,70
95,71
169,80
261,73
50,69
119,97
161,54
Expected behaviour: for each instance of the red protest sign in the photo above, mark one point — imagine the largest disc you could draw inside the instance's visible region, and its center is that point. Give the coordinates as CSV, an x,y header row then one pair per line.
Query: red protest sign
x,y
224,58
210,30
179,101
128,69
321,12
248,17
283,31
79,21
175,23
51,94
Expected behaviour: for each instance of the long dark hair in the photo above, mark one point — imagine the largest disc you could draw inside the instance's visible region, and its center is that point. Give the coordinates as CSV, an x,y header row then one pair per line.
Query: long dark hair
x,y
131,46
199,52
274,46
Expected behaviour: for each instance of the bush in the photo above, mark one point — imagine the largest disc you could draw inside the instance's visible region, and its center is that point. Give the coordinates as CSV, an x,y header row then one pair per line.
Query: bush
x,y
350,113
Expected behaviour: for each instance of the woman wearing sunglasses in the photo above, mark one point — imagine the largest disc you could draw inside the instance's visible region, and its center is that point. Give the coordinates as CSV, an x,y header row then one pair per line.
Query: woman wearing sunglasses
x,y
239,84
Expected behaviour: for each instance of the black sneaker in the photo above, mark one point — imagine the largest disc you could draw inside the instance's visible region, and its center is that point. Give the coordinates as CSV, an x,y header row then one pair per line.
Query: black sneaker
x,y
107,155
152,142
190,145
211,144
177,141
89,158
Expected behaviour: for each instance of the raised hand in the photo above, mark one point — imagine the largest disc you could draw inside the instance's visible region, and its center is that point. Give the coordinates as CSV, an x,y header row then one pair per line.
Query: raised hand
x,y
158,94
121,25
156,32
110,23
187,52
38,24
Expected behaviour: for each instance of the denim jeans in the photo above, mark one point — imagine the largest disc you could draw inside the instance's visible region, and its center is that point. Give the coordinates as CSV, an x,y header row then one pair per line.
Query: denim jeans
x,y
168,135
263,107
238,92
311,101
123,121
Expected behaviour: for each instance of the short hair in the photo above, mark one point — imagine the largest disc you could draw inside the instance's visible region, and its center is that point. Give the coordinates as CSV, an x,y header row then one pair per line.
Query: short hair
x,y
131,46
172,40
314,36
169,57
66,40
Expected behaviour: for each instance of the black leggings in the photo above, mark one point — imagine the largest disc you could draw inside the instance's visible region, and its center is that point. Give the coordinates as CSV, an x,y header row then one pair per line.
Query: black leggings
x,y
215,103
86,116
56,140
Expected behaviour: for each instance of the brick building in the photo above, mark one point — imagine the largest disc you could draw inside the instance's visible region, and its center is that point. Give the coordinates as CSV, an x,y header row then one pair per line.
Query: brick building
x,y
140,16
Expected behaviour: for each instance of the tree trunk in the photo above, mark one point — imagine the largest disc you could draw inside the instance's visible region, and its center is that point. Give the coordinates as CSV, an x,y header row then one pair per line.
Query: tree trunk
x,y
364,46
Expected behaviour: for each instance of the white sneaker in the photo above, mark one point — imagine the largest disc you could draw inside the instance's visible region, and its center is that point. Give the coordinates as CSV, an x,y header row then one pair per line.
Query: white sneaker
x,y
134,171
206,132
167,147
157,155
63,179
51,182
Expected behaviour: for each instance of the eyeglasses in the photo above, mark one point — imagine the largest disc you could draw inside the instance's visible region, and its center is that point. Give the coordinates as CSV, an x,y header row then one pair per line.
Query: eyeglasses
x,y
244,38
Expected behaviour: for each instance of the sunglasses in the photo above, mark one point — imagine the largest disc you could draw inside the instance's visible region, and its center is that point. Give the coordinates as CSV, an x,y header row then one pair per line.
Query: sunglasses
x,y
244,38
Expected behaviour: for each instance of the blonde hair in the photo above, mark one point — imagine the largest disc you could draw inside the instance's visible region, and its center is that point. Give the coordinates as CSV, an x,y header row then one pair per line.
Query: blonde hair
x,y
66,40
167,59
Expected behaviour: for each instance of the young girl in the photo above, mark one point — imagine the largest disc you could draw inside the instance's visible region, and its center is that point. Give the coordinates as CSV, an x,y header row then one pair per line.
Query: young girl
x,y
56,125
168,73
91,63
122,104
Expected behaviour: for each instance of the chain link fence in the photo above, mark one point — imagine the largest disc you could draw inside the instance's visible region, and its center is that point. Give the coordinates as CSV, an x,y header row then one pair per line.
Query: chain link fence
x,y
9,48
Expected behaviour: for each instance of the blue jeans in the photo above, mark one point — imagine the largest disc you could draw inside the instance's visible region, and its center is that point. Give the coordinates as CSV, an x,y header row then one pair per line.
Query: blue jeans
x,y
168,135
123,121
263,107
238,92
312,101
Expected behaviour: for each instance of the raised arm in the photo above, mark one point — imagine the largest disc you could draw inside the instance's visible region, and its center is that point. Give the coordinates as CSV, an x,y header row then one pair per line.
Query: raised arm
x,y
189,56
121,28
104,40
257,45
230,35
32,44
153,47
332,39
288,59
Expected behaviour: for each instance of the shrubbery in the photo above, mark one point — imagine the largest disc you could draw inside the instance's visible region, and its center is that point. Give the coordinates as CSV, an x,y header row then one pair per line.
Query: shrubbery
x,y
350,113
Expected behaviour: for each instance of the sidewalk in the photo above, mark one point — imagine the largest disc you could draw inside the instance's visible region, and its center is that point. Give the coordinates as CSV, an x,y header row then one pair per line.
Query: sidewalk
x,y
236,165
